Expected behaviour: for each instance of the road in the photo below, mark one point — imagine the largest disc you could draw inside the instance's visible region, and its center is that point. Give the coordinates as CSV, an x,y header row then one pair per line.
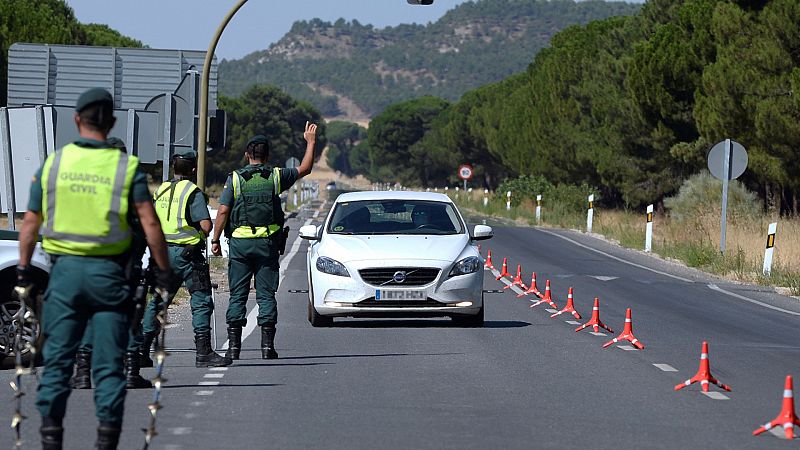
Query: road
x,y
525,380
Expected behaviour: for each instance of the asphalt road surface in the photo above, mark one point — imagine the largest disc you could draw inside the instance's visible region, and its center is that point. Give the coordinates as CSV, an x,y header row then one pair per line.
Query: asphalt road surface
x,y
525,380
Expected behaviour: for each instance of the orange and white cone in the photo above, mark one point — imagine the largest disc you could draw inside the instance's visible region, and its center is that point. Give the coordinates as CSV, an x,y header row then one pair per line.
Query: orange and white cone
x,y
488,264
547,298
504,272
595,322
517,279
570,308
532,289
787,417
703,375
627,334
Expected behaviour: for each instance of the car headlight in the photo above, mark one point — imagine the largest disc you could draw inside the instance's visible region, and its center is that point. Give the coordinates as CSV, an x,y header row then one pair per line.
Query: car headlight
x,y
331,267
465,266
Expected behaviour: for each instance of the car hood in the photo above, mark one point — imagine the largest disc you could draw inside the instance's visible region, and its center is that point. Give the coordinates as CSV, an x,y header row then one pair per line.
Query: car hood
x,y
393,247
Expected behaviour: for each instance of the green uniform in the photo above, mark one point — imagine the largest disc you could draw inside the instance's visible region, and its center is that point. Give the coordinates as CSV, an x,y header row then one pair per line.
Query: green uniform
x,y
253,252
181,206
85,192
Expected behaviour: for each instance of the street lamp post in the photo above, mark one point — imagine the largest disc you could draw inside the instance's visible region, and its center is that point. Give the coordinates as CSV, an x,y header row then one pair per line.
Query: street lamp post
x,y
202,127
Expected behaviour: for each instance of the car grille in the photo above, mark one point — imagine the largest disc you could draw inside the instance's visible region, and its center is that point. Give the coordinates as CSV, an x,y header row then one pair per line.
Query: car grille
x,y
372,303
384,276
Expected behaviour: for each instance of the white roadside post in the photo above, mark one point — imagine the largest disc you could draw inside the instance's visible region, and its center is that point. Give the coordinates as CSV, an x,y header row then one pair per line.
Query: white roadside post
x,y
485,198
590,214
538,208
456,192
648,240
508,201
770,248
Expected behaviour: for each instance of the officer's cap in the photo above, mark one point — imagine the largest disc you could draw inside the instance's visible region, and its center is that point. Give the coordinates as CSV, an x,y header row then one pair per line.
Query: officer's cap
x,y
257,139
115,142
92,96
185,153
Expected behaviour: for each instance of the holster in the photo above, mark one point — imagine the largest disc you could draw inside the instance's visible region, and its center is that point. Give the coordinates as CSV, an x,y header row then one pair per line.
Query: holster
x,y
201,275
283,237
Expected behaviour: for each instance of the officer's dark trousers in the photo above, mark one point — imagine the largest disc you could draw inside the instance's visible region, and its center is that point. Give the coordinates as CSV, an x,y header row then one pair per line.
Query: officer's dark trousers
x,y
85,290
250,258
202,304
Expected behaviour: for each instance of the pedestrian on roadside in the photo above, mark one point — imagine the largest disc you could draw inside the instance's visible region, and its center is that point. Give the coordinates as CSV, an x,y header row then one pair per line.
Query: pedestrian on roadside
x,y
183,210
250,213
82,197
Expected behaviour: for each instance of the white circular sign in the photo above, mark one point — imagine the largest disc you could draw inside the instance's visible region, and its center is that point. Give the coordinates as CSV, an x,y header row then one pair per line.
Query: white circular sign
x,y
465,172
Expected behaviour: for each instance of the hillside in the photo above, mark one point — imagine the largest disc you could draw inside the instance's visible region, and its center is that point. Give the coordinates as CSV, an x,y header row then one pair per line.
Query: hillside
x,y
353,71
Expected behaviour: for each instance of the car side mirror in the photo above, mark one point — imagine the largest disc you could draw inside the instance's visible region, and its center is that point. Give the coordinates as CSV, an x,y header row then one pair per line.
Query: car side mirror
x,y
482,232
309,232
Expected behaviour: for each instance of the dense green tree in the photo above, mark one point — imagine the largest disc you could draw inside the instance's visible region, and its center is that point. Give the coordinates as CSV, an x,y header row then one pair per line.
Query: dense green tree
x,y
342,137
269,111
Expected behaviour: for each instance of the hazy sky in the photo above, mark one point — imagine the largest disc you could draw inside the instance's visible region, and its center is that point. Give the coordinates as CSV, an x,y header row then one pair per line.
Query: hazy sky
x,y
190,24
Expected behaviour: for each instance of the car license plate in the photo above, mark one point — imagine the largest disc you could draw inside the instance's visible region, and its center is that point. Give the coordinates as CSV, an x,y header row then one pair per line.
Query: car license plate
x,y
387,294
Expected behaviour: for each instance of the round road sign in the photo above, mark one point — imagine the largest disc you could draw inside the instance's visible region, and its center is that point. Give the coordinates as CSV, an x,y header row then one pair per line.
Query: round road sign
x,y
465,172
716,160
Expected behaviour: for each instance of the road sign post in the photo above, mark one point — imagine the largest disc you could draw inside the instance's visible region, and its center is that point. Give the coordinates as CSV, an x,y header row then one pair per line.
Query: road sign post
x,y
465,173
648,240
727,160
508,201
538,208
485,198
590,214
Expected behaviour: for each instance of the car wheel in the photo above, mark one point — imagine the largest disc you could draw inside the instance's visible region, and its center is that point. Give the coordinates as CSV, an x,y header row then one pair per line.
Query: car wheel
x,y
475,321
316,319
31,331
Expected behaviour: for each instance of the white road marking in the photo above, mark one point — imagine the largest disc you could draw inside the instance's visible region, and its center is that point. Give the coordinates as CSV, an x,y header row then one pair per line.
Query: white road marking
x,y
218,369
551,310
208,383
615,257
597,334
716,395
180,430
572,322
214,375
603,278
742,297
627,348
197,403
204,393
666,367
316,214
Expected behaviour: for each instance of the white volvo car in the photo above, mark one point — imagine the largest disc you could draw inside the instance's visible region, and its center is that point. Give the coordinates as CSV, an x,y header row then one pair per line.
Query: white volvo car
x,y
395,254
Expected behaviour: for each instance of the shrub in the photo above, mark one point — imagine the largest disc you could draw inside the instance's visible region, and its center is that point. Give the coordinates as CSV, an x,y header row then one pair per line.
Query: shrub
x,y
701,195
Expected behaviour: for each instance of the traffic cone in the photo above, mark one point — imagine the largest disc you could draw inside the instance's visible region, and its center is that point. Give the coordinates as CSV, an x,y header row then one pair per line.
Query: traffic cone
x,y
787,417
532,289
703,375
488,264
595,322
517,279
627,334
570,308
546,298
504,272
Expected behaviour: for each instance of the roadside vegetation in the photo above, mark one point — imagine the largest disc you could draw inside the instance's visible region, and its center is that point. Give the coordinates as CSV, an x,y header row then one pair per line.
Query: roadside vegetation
x,y
687,229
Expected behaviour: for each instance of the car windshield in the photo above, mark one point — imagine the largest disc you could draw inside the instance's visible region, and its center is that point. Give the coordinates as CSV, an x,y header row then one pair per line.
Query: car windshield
x,y
395,217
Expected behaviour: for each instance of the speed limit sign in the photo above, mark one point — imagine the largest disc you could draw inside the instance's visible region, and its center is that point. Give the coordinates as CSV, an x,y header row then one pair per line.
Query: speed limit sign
x,y
465,172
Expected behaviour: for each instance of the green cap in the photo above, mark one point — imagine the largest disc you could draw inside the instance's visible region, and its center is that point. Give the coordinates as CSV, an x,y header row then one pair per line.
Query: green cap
x,y
115,142
94,95
257,139
185,153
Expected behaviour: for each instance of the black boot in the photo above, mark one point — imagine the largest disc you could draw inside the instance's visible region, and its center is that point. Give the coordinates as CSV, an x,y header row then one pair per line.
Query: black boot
x,y
132,378
52,434
107,437
83,371
234,341
145,360
268,342
206,356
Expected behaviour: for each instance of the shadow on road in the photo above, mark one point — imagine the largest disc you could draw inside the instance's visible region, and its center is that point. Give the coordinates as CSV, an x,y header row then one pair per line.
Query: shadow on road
x,y
425,324
221,385
283,364
376,355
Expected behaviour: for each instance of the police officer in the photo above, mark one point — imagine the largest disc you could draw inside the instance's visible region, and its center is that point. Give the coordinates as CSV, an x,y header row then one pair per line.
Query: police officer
x,y
250,207
185,221
83,358
81,198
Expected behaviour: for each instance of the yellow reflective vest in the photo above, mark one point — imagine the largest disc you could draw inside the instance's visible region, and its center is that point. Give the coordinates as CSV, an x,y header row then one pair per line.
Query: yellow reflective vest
x,y
85,195
171,203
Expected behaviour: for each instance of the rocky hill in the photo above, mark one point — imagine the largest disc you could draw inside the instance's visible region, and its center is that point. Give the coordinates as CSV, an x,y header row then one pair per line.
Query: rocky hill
x,y
352,71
